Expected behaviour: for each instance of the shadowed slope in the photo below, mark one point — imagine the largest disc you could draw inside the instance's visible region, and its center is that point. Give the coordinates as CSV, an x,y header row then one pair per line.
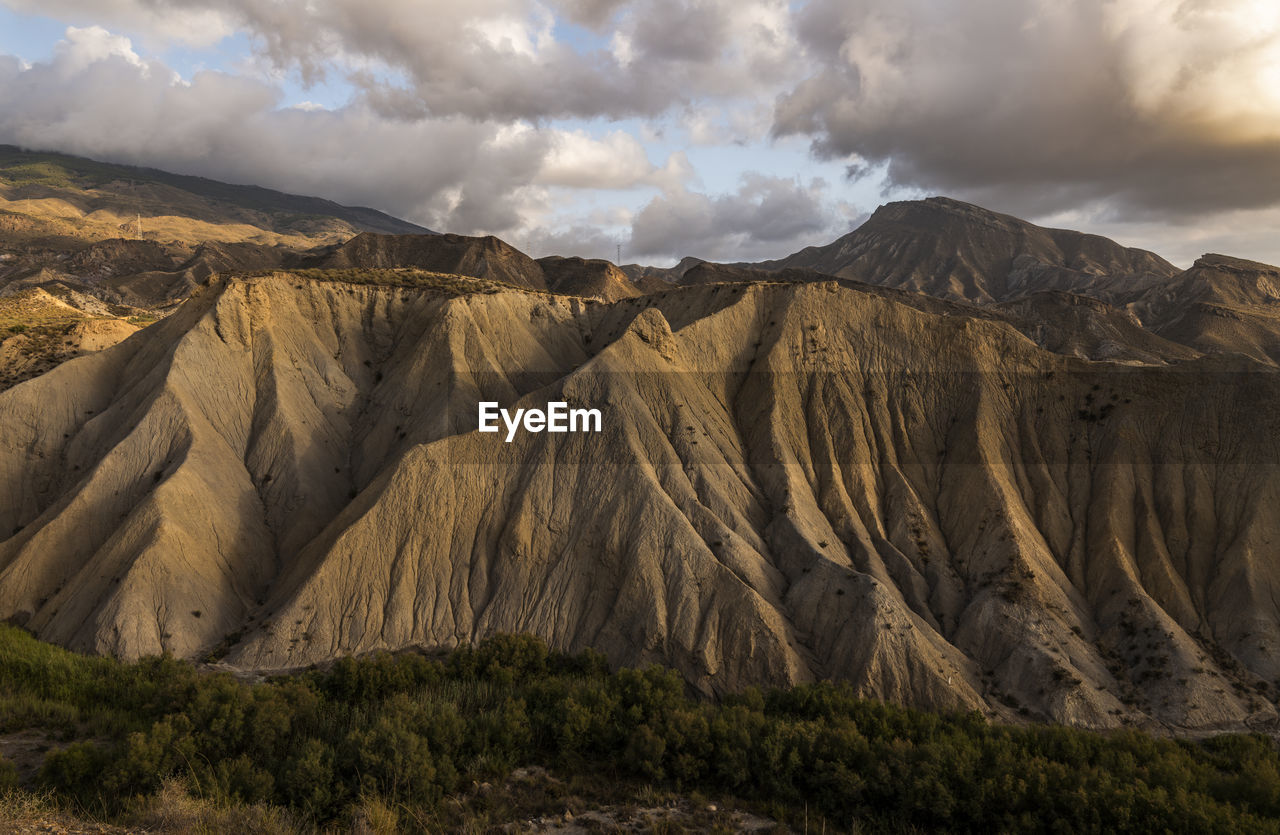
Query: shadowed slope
x,y
485,257
955,250
1221,304
589,277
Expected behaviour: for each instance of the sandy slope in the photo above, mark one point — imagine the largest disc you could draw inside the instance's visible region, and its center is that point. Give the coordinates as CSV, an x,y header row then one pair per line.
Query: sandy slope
x,y
793,481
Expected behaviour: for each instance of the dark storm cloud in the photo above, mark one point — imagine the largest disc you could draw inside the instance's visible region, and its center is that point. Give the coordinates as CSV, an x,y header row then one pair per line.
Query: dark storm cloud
x,y
593,14
1155,106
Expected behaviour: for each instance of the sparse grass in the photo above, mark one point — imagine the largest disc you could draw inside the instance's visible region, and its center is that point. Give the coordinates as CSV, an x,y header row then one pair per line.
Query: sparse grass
x,y
174,809
26,311
373,816
21,805
40,172
407,277
39,348
45,325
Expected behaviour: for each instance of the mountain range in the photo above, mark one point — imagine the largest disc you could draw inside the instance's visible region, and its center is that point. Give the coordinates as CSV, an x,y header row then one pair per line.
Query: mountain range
x,y
954,458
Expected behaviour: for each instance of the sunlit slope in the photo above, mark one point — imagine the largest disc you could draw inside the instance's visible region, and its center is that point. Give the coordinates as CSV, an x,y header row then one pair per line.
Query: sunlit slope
x,y
46,195
792,482
39,329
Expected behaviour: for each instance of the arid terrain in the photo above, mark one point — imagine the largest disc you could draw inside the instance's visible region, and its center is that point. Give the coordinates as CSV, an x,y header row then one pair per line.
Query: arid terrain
x,y
953,458
117,246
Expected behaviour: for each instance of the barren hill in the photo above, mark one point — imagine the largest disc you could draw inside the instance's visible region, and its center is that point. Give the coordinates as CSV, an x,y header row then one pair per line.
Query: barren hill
x,y
588,277
145,237
793,481
1140,307
40,328
657,279
481,257
955,250
986,465
484,257
116,241
62,196
1220,304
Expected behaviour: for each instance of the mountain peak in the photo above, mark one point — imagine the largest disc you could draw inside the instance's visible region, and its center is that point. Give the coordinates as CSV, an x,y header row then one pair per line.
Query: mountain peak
x,y
952,249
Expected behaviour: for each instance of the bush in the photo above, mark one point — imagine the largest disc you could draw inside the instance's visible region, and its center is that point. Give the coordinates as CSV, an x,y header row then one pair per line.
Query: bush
x,y
359,742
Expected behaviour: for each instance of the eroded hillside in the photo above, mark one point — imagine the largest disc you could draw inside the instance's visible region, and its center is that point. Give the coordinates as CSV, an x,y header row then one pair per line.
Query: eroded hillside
x,y
793,481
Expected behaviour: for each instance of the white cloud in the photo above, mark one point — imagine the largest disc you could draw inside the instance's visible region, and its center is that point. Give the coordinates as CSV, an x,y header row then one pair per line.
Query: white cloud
x,y
159,22
1210,66
91,44
454,173
96,97
470,117
487,59
577,160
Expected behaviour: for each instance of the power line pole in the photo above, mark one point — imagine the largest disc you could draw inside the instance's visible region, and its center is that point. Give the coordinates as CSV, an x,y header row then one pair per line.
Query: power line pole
x,y
619,261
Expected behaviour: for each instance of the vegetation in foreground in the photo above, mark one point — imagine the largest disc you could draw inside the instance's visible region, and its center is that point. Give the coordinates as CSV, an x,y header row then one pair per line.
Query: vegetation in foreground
x,y
400,738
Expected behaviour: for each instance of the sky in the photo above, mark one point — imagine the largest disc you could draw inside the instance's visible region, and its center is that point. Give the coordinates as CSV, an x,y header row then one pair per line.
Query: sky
x,y
724,129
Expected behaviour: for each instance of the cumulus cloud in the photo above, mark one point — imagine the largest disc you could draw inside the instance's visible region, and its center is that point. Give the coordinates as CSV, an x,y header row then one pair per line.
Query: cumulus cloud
x,y
161,23
96,97
578,160
489,59
766,217
1158,106
91,44
494,116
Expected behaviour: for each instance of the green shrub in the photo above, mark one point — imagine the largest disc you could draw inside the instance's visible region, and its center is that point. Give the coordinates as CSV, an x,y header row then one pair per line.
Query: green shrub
x,y
370,736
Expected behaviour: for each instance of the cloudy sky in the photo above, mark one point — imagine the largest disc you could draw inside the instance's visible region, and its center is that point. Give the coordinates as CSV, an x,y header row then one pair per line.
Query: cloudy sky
x,y
726,129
